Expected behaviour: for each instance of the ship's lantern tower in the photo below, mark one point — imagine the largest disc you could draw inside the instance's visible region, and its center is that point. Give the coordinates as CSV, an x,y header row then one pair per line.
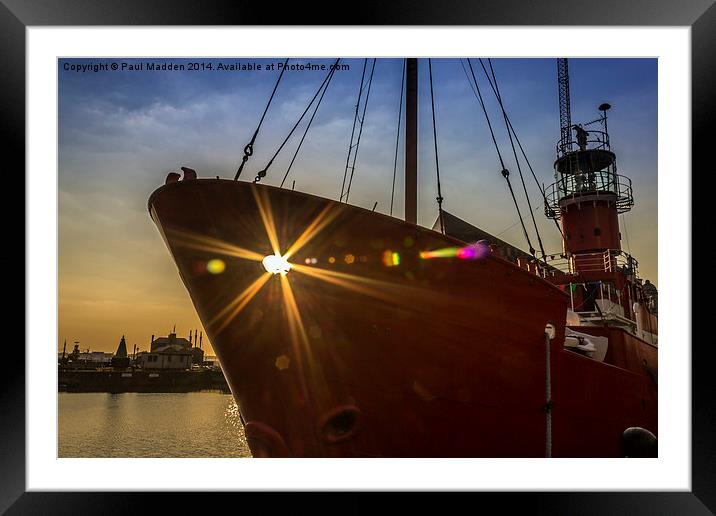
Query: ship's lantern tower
x,y
587,197
588,194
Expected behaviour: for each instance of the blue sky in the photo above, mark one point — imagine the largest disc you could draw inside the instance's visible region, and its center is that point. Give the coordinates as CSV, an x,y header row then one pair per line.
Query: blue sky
x,y
121,132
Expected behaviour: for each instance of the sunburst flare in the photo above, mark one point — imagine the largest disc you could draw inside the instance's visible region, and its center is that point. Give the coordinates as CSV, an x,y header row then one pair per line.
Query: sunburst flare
x,y
225,316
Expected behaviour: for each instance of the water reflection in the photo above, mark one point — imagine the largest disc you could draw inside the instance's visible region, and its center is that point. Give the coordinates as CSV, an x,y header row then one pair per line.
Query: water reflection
x,y
196,424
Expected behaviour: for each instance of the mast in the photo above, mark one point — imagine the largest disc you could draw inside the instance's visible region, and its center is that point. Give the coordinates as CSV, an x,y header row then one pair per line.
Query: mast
x,y
411,141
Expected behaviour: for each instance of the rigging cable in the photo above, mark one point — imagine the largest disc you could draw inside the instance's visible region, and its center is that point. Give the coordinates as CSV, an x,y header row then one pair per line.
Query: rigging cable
x,y
249,149
522,150
360,130
524,155
262,173
355,120
513,224
496,90
439,198
397,137
505,172
626,233
308,126
540,187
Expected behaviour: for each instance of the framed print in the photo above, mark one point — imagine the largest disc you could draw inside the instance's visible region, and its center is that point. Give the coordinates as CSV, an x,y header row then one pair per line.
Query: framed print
x,y
417,253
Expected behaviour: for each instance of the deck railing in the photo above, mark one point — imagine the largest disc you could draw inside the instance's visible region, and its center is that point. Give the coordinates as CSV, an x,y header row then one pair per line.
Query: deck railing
x,y
611,260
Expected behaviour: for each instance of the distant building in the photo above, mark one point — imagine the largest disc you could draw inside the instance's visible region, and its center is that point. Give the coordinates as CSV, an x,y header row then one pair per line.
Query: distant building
x,y
212,361
120,358
171,352
169,357
86,359
169,340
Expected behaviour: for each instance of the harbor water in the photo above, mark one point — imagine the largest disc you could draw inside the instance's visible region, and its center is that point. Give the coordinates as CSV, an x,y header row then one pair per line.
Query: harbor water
x,y
194,424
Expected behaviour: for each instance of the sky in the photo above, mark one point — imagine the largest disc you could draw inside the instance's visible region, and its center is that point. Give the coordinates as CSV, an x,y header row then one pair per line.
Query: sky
x,y
121,131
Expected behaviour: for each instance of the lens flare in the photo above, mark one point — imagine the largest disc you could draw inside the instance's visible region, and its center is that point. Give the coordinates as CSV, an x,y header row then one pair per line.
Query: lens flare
x,y
276,264
231,310
324,218
264,207
216,266
211,245
446,252
390,258
475,251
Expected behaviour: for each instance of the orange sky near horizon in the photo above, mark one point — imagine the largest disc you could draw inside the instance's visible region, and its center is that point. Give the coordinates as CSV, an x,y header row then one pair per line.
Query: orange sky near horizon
x,y
106,298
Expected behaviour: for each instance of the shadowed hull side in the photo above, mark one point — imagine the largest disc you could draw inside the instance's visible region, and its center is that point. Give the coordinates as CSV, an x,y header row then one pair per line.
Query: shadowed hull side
x,y
422,358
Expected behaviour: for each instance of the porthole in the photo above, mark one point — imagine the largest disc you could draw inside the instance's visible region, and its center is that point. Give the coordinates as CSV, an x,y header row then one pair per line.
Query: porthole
x,y
264,441
341,424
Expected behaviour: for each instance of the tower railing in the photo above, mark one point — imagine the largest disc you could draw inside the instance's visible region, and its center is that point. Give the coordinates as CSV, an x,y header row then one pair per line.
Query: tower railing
x,y
597,140
594,184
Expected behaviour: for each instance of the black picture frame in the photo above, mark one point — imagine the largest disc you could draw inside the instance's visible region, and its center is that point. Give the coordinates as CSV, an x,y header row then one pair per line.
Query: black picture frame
x,y
700,15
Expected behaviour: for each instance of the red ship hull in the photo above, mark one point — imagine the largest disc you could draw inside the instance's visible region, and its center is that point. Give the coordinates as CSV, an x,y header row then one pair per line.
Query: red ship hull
x,y
355,356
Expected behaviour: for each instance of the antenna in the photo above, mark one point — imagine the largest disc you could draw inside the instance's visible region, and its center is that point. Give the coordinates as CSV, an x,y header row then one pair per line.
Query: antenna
x,y
565,110
604,108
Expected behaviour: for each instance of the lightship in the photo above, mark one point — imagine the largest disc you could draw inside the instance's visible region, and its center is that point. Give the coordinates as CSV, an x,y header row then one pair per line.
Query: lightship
x,y
344,332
